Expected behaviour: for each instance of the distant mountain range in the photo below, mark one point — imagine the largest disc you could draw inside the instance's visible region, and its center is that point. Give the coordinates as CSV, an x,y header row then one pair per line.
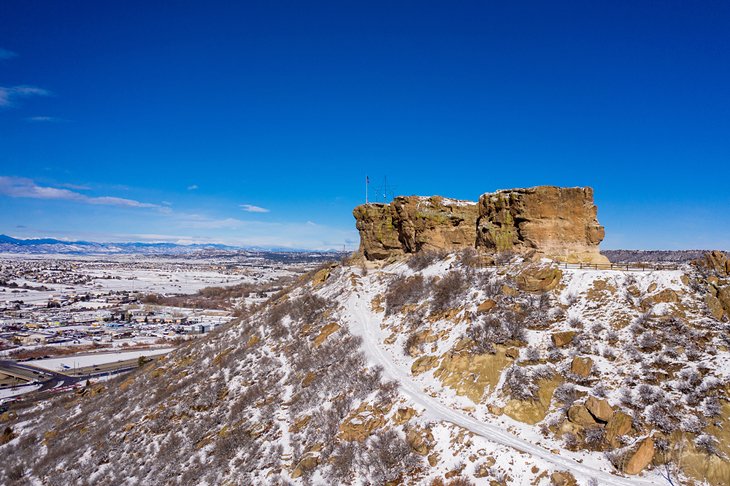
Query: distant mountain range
x,y
9,244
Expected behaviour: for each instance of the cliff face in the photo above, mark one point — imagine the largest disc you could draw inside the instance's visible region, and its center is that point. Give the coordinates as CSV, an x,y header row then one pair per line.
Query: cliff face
x,y
548,221
555,222
412,224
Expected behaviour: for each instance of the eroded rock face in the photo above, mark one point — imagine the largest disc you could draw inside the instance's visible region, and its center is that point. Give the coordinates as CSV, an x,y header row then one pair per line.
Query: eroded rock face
x,y
546,221
411,224
555,222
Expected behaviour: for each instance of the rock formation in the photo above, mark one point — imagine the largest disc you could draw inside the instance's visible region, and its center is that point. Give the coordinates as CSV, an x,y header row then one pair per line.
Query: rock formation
x,y
412,224
545,221
555,222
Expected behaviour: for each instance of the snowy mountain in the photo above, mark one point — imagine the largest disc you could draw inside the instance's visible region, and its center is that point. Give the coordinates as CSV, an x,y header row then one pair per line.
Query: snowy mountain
x,y
432,369
53,246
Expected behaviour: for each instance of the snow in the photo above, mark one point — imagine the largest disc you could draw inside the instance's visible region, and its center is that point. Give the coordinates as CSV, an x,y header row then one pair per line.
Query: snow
x,y
17,390
78,361
364,323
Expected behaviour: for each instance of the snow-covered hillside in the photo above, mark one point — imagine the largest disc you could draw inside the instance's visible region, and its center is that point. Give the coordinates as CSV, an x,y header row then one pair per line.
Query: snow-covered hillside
x,y
428,371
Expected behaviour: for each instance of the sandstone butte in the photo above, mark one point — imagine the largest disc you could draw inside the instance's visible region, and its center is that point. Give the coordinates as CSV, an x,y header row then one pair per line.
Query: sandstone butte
x,y
540,222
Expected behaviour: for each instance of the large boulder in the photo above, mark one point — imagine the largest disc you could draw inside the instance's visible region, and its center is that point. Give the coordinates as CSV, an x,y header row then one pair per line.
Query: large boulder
x,y
581,366
579,415
641,457
538,279
618,425
599,408
555,222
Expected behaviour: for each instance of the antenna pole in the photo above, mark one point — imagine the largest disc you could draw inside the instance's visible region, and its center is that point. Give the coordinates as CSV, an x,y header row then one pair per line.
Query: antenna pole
x,y
367,183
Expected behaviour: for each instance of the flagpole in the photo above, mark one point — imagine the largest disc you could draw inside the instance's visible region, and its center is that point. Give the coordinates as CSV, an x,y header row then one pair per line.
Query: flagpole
x,y
367,181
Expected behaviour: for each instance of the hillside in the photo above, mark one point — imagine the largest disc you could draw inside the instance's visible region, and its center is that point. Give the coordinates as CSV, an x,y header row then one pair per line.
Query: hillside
x,y
419,371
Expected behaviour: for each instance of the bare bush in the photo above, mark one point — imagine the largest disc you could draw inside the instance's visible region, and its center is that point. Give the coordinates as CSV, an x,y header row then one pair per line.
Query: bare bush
x,y
708,444
386,456
423,259
447,291
522,381
403,291
595,436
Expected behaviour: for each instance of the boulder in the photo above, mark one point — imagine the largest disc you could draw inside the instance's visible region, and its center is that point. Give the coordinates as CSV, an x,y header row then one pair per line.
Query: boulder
x,y
714,306
668,296
533,411
554,222
486,306
361,423
619,424
581,366
600,409
469,375
330,328
423,364
539,279
562,478
308,462
420,440
579,415
641,457
403,415
563,338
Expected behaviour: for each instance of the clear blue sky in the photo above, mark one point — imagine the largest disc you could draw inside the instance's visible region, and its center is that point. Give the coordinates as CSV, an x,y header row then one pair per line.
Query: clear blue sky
x,y
256,122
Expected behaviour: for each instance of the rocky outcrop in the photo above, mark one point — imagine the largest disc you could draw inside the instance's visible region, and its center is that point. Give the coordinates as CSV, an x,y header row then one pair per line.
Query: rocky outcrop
x,y
715,262
412,224
554,222
546,221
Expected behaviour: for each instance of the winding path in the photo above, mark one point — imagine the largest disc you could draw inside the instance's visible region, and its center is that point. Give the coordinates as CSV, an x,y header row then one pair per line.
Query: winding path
x,y
366,325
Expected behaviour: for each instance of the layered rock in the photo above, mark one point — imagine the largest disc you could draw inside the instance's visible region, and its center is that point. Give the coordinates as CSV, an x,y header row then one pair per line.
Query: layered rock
x,y
554,222
412,224
546,221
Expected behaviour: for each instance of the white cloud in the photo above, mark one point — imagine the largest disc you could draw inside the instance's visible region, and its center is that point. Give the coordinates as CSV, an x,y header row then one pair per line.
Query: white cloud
x,y
6,54
26,188
192,187
8,96
250,208
41,119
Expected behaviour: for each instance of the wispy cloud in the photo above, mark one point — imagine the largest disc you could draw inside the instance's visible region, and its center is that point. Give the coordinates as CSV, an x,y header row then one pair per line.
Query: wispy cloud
x,y
192,187
6,54
8,96
43,119
250,208
27,188
75,187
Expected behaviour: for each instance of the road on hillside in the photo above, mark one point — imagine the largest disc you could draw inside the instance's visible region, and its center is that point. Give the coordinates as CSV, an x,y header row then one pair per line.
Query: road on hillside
x,y
366,325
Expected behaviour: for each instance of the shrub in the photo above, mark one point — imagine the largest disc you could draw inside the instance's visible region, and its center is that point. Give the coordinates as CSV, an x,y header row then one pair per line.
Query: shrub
x,y
595,436
423,259
708,444
447,290
402,291
522,381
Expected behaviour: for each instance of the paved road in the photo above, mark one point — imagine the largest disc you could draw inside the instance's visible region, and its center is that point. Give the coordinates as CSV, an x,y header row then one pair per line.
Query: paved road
x,y
54,380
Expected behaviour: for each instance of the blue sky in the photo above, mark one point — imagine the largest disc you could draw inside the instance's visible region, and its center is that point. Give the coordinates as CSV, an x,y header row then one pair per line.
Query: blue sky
x,y
255,123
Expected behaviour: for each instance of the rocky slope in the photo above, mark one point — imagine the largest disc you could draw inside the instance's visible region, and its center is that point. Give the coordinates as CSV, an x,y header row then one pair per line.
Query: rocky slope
x,y
429,371
545,221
